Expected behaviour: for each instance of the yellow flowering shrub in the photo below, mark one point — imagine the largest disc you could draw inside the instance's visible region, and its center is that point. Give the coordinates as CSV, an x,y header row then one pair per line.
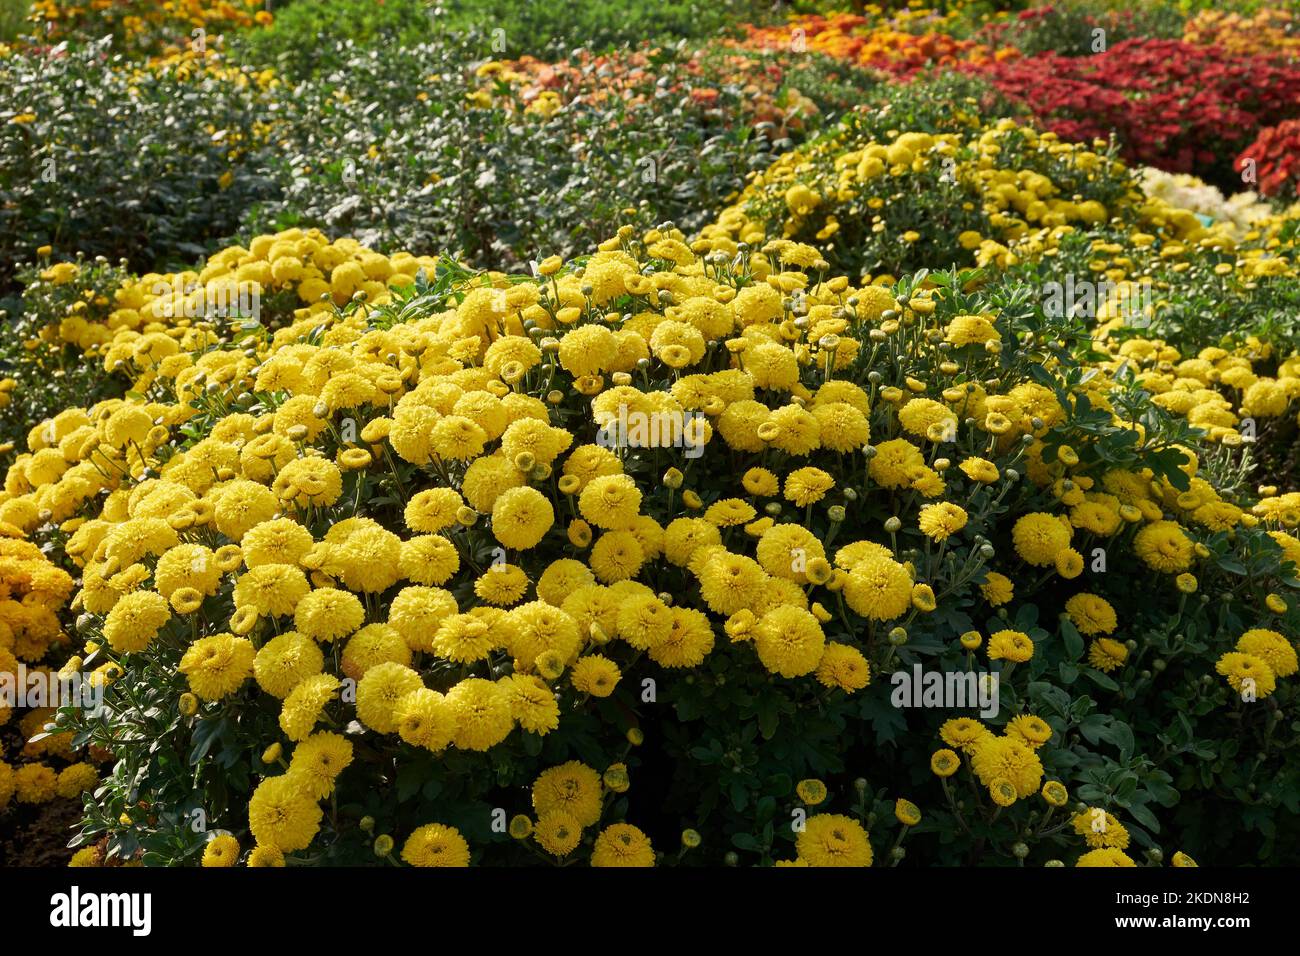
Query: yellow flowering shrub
x,y
1006,191
156,30
37,763
1056,213
1267,31
1216,390
381,563
287,277
923,440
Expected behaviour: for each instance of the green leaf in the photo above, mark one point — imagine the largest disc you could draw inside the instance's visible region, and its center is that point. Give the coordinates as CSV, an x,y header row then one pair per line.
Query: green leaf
x,y
1121,735
1232,566
781,785
1027,616
1144,816
1073,640
739,796
206,733
1092,726
1100,679
767,717
886,721
410,778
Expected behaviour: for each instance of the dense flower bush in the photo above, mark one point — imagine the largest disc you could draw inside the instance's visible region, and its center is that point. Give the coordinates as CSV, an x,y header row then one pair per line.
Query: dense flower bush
x,y
895,46
997,196
35,766
414,517
47,368
1178,106
1266,32
141,28
980,192
784,96
1275,160
504,452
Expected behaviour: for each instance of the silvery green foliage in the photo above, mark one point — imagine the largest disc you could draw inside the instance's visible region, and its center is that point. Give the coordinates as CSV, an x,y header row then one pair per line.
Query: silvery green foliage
x,y
119,162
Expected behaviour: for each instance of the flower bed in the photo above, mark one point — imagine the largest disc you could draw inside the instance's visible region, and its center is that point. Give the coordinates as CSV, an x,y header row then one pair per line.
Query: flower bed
x,y
898,47
768,86
144,29
1174,105
1266,32
415,517
1272,160
739,453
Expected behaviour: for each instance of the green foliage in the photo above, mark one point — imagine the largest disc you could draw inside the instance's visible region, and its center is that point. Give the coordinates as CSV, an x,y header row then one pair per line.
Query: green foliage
x,y
120,164
495,185
309,38
944,102
382,148
539,29
12,16
1068,27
